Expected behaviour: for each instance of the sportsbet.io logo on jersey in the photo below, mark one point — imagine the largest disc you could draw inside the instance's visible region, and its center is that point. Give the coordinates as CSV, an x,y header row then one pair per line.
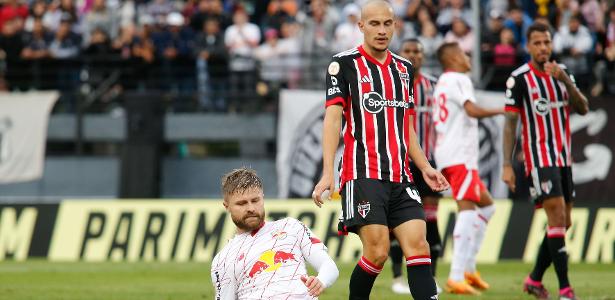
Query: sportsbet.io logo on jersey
x,y
543,106
373,103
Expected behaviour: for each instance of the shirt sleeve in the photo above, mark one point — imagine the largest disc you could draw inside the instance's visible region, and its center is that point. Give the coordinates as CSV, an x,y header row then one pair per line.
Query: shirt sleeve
x,y
466,90
514,97
315,254
337,87
225,284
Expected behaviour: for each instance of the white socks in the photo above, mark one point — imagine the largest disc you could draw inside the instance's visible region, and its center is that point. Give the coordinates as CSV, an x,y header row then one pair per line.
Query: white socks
x,y
483,216
463,239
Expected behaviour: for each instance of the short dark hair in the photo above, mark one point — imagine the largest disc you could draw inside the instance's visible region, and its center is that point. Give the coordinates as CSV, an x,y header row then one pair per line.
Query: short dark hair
x,y
239,181
443,49
413,40
536,27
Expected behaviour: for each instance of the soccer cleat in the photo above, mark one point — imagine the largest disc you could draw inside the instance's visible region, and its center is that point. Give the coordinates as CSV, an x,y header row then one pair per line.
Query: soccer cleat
x,y
567,294
475,281
536,289
400,286
460,287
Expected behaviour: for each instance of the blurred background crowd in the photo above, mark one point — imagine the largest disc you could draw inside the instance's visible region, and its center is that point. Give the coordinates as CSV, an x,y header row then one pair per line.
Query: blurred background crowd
x,y
234,56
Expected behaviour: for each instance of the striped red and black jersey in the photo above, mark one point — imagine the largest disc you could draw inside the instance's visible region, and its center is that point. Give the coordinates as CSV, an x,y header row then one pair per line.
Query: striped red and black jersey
x,y
377,104
542,102
423,123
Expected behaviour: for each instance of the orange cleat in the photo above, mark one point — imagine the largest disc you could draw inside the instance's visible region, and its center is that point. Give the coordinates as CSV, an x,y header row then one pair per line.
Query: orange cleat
x,y
460,287
474,280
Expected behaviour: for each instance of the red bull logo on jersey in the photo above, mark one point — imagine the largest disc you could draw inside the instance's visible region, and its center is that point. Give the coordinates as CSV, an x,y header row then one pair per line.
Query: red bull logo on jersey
x,y
374,103
270,261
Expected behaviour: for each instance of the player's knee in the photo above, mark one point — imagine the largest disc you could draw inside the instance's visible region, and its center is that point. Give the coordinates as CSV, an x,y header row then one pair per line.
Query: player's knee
x,y
419,246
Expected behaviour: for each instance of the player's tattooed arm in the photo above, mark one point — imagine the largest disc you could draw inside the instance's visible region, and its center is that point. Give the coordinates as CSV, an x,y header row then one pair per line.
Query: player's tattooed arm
x,y
509,140
577,99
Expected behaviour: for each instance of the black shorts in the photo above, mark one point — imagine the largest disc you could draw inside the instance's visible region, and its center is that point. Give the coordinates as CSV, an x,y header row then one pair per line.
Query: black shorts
x,y
372,201
421,185
551,182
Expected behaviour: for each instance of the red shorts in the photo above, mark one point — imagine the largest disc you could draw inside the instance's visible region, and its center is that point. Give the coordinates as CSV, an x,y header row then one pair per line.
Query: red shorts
x,y
465,184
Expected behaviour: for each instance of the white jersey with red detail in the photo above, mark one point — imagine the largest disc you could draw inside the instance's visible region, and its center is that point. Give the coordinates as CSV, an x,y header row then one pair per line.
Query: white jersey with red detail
x,y
456,132
267,263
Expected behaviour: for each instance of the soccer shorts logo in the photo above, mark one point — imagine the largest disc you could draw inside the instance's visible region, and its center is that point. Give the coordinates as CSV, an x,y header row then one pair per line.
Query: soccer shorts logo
x,y
363,209
546,186
414,194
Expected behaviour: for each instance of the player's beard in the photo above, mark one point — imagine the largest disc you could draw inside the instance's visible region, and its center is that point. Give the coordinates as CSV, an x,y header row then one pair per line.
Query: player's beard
x,y
248,222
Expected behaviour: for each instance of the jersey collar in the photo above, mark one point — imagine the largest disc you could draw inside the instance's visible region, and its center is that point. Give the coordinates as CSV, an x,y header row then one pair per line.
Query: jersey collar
x,y
538,72
387,61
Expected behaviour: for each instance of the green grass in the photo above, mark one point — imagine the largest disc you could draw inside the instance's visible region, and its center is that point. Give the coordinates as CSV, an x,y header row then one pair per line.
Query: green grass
x,y
134,281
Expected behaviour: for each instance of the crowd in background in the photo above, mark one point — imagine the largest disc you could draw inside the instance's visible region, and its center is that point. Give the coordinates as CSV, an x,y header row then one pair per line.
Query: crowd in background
x,y
222,51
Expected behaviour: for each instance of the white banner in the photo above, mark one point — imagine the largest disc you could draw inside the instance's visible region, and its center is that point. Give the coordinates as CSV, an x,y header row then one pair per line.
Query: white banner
x,y
23,132
299,153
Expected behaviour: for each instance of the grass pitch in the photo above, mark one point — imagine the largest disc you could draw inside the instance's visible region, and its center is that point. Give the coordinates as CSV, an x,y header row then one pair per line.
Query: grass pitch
x,y
166,281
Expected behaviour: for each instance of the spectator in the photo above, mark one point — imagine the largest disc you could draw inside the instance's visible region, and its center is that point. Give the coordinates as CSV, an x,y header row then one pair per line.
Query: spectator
x,y
241,39
518,22
208,9
289,40
400,7
159,9
36,42
593,15
604,70
99,44
66,43
100,18
462,34
319,28
277,12
58,11
12,9
416,5
212,66
455,10
491,34
504,53
174,46
11,46
431,40
564,9
124,43
348,34
572,43
37,11
403,31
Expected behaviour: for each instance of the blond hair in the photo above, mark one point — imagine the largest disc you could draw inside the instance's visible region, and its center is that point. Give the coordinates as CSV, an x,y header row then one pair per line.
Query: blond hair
x,y
239,181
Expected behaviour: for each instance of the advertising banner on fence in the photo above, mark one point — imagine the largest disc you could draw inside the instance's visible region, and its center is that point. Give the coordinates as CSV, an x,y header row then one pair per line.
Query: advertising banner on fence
x,y
299,155
196,230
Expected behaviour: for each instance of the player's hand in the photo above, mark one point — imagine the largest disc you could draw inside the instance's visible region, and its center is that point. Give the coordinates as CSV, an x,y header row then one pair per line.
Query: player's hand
x,y
326,183
434,179
315,287
553,69
508,176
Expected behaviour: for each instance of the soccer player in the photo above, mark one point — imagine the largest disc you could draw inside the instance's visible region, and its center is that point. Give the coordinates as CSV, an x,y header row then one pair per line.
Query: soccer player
x,y
412,50
455,118
372,88
543,93
266,260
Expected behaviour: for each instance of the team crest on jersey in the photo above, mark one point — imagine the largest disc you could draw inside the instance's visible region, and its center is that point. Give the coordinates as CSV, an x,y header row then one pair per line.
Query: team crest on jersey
x,y
280,235
334,68
546,186
363,208
542,106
